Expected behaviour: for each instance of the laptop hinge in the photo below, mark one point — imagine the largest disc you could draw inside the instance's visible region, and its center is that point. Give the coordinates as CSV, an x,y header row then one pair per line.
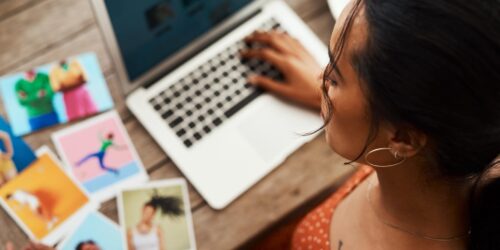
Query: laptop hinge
x,y
210,42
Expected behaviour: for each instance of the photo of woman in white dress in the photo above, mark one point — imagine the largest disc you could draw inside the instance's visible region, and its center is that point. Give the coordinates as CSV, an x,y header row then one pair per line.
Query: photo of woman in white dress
x,y
148,234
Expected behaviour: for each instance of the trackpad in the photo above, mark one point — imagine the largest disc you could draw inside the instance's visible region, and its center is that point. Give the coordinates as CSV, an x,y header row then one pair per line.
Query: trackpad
x,y
274,131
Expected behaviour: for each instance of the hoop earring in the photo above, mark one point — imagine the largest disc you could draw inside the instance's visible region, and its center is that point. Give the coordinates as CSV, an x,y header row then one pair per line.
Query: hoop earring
x,y
396,156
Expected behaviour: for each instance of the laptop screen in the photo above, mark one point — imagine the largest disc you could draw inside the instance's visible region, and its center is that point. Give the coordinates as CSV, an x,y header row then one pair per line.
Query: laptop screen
x,y
148,31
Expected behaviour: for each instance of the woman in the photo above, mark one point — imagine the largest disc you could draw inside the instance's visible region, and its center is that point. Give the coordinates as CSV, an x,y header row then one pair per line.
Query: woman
x,y
7,167
106,143
147,235
70,80
88,245
35,94
34,204
412,90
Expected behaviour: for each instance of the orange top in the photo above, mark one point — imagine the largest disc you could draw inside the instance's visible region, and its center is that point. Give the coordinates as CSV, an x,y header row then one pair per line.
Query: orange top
x,y
313,232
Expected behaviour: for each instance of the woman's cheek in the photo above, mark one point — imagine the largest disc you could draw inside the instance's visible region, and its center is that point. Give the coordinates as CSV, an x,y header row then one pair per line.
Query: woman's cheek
x,y
343,133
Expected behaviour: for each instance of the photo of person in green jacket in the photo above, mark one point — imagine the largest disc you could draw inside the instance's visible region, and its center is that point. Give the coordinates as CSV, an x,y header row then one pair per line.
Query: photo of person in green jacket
x,y
35,94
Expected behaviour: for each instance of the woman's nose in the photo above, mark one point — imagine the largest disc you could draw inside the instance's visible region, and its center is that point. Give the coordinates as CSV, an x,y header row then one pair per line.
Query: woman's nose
x,y
321,76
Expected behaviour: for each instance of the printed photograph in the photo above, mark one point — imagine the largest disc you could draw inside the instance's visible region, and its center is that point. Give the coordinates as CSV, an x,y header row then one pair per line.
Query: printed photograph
x,y
55,93
44,200
15,154
157,215
100,155
96,232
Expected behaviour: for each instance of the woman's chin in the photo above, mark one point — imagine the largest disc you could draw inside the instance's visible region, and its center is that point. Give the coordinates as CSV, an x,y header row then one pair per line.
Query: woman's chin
x,y
334,146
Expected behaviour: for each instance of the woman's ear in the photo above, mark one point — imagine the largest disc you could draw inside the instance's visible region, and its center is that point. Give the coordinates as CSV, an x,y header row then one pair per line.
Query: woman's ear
x,y
406,141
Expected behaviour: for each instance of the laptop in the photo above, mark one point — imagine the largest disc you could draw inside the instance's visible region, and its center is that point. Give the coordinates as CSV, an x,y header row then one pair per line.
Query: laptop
x,y
179,65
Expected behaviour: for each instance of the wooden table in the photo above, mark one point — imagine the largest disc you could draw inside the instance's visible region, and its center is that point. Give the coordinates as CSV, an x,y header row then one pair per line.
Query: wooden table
x,y
35,32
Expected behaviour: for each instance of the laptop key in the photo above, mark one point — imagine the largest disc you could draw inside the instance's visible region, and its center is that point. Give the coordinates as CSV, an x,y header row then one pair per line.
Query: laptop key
x,y
167,114
188,143
181,132
217,121
206,129
176,122
243,103
197,136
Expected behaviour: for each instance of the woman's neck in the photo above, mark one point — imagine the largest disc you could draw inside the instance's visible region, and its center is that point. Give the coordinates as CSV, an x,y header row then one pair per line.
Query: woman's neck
x,y
147,223
404,196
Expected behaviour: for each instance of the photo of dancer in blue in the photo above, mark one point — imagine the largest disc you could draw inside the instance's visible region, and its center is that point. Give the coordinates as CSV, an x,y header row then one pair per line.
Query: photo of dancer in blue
x,y
106,143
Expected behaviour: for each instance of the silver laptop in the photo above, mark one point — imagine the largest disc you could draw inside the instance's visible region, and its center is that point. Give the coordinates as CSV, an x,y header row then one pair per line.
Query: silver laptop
x,y
179,65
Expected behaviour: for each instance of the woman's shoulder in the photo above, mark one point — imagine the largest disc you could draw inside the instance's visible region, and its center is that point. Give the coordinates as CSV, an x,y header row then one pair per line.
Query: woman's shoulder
x,y
314,229
347,187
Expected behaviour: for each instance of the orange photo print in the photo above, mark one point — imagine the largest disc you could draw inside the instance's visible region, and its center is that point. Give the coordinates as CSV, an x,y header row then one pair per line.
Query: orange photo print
x,y
42,197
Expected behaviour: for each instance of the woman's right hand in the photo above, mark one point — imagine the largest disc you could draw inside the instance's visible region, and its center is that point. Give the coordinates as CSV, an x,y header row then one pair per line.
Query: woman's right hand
x,y
302,73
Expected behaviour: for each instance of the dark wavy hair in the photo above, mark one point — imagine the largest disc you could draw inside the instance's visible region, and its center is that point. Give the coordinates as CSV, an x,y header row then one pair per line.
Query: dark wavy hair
x,y
435,65
83,243
168,205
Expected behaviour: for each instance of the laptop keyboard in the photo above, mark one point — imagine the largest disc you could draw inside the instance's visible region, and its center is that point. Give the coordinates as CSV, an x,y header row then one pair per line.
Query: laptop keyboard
x,y
205,98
